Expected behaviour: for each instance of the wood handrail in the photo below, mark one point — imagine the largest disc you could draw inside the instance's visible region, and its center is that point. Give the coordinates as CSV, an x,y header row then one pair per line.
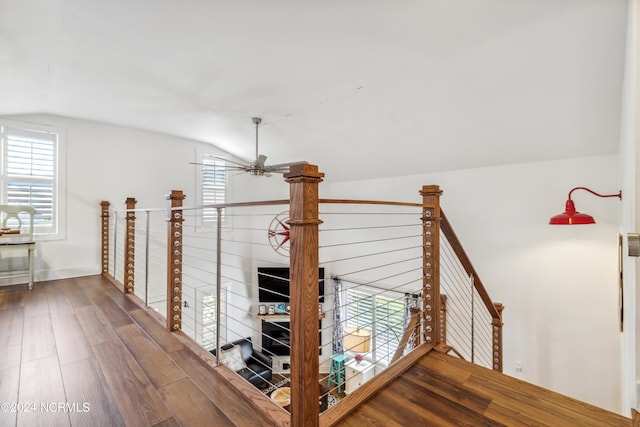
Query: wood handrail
x,y
410,330
368,202
451,236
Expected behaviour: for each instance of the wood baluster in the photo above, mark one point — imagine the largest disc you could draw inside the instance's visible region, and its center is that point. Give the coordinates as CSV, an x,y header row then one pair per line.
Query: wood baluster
x,y
303,185
174,261
130,247
105,236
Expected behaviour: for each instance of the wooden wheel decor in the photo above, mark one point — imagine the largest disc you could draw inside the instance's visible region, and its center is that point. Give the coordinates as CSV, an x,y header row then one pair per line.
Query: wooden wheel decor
x,y
279,233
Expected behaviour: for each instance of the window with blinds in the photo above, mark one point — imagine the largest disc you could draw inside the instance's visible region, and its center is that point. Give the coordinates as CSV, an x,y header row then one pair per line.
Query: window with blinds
x,y
209,325
214,187
30,173
383,316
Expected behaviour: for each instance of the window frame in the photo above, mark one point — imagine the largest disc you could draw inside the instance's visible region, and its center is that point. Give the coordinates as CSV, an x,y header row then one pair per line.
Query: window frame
x,y
206,316
202,158
57,230
372,322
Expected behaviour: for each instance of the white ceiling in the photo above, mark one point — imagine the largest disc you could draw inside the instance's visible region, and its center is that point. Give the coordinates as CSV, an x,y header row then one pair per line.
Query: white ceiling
x,y
362,88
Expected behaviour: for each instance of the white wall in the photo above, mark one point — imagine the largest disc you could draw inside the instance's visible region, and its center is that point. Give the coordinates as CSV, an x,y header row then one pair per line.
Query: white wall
x,y
558,284
110,163
629,162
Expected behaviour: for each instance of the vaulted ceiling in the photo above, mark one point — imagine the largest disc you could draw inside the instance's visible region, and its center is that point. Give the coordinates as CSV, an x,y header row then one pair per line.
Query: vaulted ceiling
x,y
362,88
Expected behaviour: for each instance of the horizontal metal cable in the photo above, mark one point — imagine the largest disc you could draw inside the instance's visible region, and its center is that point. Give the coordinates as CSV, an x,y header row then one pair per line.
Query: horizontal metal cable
x,y
379,227
381,279
351,258
380,266
371,241
321,213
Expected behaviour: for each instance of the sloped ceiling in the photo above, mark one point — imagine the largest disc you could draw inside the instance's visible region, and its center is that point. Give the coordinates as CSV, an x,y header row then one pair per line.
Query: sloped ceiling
x,y
362,88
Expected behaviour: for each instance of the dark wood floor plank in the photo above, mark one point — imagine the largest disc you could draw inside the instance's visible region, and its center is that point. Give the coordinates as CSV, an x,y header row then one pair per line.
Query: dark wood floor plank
x,y
38,338
156,364
66,334
41,385
59,304
442,390
191,407
112,312
171,422
440,382
422,402
9,380
555,411
536,402
96,328
11,297
124,301
87,388
36,302
78,297
371,416
156,330
71,342
235,406
11,325
138,401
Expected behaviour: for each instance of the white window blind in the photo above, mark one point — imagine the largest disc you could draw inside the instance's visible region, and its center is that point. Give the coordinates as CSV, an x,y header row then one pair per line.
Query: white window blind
x,y
383,316
209,327
214,187
30,173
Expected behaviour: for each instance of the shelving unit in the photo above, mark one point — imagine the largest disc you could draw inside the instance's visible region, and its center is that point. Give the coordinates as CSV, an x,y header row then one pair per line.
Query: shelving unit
x,y
272,342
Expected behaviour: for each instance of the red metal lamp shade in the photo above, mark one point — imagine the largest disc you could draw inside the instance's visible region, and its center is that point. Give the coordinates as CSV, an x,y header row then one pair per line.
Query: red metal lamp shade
x,y
572,217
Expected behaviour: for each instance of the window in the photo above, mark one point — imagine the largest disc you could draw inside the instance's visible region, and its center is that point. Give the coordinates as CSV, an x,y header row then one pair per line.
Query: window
x,y
31,164
208,316
382,315
214,187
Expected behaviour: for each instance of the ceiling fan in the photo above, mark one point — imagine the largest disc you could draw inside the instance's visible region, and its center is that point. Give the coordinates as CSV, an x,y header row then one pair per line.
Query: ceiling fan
x,y
258,166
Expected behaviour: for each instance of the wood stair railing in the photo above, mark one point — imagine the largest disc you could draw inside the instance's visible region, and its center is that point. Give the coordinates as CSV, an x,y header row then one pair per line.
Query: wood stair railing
x,y
409,331
494,309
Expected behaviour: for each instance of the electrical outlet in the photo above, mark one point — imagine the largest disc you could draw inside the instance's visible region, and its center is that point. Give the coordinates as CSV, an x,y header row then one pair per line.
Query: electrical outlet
x,y
518,366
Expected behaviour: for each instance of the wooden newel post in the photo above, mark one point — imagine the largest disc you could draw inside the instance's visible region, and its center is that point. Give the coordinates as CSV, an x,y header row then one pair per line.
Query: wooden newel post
x,y
174,261
105,236
496,326
130,251
431,263
303,184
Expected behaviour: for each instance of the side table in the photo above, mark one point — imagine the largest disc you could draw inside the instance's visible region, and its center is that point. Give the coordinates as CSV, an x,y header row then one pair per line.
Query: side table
x,y
357,373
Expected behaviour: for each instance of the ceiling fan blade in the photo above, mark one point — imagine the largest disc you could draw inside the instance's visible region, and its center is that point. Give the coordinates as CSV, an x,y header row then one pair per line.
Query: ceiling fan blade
x,y
230,161
225,167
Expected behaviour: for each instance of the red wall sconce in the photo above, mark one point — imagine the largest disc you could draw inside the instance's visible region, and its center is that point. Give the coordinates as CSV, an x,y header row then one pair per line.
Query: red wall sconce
x,y
572,217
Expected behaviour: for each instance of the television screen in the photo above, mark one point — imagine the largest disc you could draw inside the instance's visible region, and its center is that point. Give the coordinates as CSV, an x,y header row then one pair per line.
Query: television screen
x,y
273,284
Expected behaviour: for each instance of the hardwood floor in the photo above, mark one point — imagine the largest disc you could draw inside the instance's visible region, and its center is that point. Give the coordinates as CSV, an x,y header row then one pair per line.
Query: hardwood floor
x,y
78,352
441,390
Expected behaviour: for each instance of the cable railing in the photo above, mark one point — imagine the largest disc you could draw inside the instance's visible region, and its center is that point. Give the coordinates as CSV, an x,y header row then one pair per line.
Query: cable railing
x,y
228,277
374,254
